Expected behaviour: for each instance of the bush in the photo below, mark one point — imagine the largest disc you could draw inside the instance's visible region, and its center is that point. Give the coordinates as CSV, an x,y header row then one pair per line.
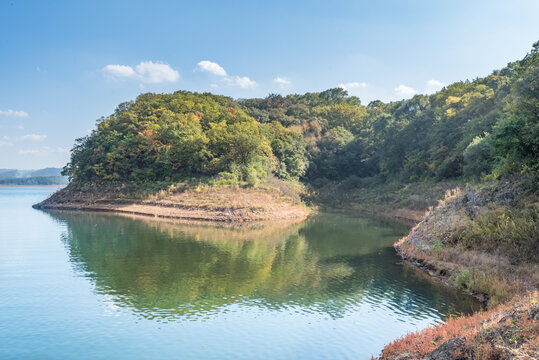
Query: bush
x,y
252,177
515,142
510,231
464,279
351,182
320,182
478,157
225,178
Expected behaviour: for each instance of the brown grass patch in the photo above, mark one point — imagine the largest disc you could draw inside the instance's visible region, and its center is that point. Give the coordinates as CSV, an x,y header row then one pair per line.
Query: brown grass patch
x,y
508,328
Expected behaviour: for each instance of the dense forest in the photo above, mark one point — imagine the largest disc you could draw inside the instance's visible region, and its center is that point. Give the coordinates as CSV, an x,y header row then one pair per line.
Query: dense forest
x,y
470,129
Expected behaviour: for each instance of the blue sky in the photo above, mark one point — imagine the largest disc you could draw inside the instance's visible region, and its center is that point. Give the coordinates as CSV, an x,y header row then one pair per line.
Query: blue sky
x,y
64,64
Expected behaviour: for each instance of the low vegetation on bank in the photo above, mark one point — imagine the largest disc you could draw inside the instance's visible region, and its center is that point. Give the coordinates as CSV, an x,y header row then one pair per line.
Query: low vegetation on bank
x,y
483,240
395,200
505,332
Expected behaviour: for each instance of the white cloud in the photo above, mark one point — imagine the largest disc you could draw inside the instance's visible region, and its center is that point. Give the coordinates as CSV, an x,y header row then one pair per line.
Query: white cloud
x,y
145,72
283,83
20,127
210,67
433,86
214,86
119,71
216,69
32,137
244,82
5,143
44,151
353,85
156,72
405,91
241,81
15,113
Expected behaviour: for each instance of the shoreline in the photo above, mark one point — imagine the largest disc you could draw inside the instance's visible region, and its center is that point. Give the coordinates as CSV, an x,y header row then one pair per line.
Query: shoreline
x,y
508,324
210,204
404,216
178,213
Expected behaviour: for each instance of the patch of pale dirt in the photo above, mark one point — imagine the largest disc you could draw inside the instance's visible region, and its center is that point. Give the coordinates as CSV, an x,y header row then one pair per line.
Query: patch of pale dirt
x,y
228,204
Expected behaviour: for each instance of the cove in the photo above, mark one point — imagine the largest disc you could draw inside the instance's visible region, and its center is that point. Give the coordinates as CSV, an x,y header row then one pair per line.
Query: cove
x,y
92,285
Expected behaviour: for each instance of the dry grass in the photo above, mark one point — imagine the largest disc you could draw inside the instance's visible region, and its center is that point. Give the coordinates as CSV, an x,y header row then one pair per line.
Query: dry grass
x,y
489,274
219,197
425,341
485,247
450,195
509,328
373,195
187,201
484,242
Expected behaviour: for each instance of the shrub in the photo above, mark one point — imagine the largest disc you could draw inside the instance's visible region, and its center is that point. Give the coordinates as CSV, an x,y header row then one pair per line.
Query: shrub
x,y
478,157
510,231
351,182
225,178
252,177
464,279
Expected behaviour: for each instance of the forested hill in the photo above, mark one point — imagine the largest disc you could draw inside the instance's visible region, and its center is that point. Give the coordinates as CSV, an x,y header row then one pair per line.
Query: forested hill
x,y
468,129
47,176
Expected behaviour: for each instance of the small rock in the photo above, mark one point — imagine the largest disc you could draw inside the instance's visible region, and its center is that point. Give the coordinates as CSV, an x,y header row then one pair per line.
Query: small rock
x,y
533,313
448,350
403,356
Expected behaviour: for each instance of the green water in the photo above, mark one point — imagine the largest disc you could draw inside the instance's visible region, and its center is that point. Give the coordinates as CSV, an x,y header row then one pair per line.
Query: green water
x,y
100,286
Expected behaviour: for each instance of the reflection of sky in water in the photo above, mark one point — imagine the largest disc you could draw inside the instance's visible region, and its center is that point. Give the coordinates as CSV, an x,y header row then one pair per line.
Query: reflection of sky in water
x,y
330,287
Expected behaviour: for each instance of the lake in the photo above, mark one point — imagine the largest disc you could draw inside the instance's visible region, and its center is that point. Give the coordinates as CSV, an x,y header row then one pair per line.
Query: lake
x,y
101,286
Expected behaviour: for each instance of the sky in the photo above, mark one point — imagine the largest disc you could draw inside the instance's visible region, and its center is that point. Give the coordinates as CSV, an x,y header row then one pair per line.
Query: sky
x,y
64,64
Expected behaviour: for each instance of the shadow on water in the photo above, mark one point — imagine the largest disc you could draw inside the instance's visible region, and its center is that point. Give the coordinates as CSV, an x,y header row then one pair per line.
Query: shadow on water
x,y
328,264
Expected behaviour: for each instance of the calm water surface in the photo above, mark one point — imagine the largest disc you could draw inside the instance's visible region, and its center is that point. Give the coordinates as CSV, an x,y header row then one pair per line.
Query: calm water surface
x,y
94,286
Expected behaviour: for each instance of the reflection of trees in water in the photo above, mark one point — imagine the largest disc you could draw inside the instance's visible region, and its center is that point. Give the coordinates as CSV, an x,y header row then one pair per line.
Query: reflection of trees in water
x,y
165,269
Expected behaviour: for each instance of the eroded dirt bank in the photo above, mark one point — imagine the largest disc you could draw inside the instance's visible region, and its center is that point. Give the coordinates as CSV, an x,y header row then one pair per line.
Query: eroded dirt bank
x,y
211,203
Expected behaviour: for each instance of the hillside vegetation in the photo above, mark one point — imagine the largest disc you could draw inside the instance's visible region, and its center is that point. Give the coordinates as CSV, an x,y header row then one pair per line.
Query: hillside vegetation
x,y
482,239
467,130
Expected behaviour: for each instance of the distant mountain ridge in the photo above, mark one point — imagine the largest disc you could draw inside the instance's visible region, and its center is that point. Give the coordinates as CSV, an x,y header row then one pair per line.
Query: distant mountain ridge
x,y
14,173
46,176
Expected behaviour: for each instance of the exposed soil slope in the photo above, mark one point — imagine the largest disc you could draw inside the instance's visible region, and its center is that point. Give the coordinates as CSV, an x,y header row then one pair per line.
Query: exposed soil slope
x,y
208,203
